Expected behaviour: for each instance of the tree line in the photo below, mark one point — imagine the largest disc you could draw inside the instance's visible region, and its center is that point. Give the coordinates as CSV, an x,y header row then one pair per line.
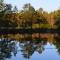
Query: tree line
x,y
28,17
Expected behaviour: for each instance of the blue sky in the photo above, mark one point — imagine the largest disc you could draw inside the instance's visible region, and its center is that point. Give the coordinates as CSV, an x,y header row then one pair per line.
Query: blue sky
x,y
47,5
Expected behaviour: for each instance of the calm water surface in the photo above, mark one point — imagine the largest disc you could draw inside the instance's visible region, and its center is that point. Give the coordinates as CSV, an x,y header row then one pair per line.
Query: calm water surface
x,y
35,49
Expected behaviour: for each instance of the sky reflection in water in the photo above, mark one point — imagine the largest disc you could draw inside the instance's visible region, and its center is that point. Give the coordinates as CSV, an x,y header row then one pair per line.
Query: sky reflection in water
x,y
30,50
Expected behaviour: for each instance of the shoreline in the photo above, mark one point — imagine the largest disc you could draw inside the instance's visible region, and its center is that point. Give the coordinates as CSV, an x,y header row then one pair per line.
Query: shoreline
x,y
29,31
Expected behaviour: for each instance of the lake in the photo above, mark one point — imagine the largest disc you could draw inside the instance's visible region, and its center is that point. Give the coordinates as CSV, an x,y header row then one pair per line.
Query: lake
x,y
37,46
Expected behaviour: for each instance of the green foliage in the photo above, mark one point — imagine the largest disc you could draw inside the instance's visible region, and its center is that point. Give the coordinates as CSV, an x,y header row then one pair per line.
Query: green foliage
x,y
57,18
28,17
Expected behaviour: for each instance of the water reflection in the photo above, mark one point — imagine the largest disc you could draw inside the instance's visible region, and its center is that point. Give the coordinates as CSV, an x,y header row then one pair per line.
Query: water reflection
x,y
7,47
27,45
57,43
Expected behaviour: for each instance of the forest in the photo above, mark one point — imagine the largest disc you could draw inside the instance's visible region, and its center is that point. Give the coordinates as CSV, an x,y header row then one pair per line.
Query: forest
x,y
28,17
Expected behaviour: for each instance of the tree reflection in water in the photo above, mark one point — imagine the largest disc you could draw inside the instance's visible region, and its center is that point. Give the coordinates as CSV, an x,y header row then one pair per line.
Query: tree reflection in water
x,y
57,43
7,47
29,47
